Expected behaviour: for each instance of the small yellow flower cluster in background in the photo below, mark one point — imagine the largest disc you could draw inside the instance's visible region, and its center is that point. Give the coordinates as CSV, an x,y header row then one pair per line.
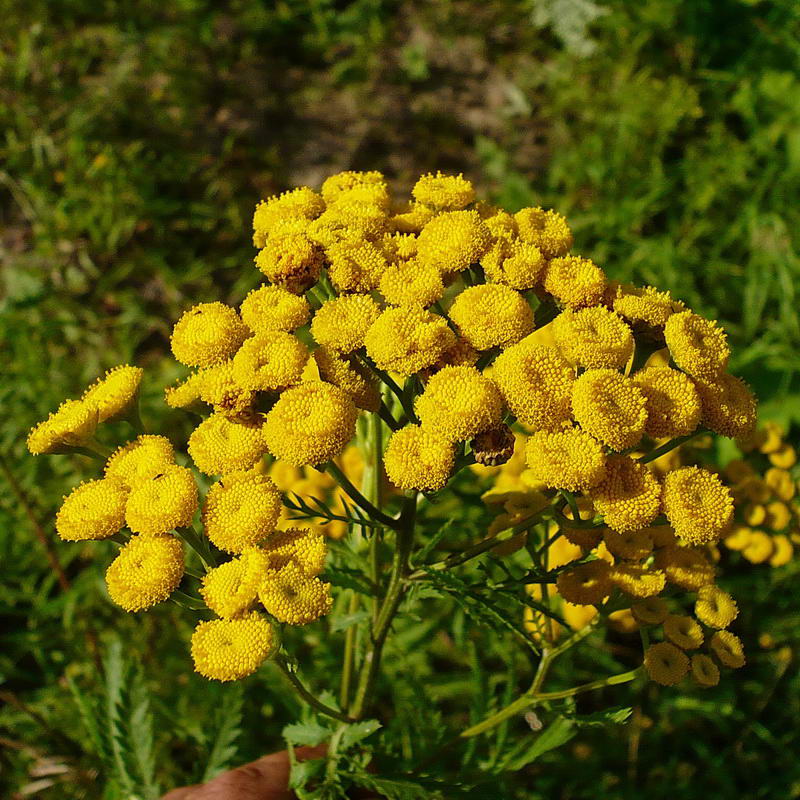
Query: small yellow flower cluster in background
x,y
764,482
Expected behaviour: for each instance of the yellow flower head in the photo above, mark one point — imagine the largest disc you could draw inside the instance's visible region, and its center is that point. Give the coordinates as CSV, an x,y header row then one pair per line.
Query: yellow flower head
x,y
444,192
291,260
646,305
140,460
231,649
779,515
348,222
411,283
167,500
569,459
629,497
453,240
631,545
185,393
782,551
683,631
684,567
222,388
232,588
417,458
406,340
548,230
780,481
350,376
410,217
715,608
728,648
491,315
300,203
501,224
342,324
586,584
272,308
697,504
784,457
650,611
399,247
574,281
636,580
293,596
241,510
673,405
310,424
356,266
593,337
376,194
115,392
729,406
697,345
70,426
459,403
665,663
303,546
704,671
611,407
207,334
270,362
93,510
536,384
342,182
219,445
513,262
145,572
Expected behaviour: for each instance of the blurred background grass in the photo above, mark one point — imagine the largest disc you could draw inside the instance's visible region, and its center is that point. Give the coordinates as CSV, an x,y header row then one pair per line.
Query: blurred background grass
x,y
137,137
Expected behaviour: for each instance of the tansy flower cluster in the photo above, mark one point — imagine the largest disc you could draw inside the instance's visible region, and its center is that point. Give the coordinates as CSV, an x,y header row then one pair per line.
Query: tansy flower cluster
x,y
474,336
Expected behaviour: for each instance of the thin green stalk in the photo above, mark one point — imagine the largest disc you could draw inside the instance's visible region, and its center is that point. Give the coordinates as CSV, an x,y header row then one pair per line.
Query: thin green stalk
x,y
600,683
358,498
670,445
386,415
348,658
283,666
199,545
389,606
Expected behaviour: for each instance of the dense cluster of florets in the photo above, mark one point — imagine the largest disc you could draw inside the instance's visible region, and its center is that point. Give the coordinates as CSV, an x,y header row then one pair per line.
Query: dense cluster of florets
x,y
478,337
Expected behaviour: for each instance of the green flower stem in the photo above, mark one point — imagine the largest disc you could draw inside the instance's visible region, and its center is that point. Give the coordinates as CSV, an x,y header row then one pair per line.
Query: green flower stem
x,y
386,416
199,544
93,449
671,445
281,663
348,659
612,680
533,695
358,498
391,602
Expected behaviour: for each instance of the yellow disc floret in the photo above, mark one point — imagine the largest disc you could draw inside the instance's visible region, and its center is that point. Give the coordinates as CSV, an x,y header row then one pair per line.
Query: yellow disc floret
x,y
515,263
93,510
715,608
492,315
697,504
444,192
650,611
665,663
459,403
729,406
548,230
611,407
207,334
352,377
241,510
406,340
683,631
219,445
336,185
586,584
629,497
231,649
704,671
145,572
140,460
645,306
292,261
673,405
453,240
232,588
303,546
270,362
167,500
114,393
593,337
569,459
636,580
412,283
697,345
728,648
272,308
356,266
417,458
536,383
300,203
310,424
342,324
574,281
684,567
70,426
293,596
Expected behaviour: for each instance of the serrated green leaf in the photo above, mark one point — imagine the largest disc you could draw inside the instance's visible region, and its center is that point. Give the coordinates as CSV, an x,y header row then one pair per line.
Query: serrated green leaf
x,y
228,729
140,728
306,733
614,716
348,620
358,731
558,732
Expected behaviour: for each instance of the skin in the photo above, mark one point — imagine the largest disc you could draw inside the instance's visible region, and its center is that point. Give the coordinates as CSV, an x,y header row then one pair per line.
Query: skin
x,y
264,779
